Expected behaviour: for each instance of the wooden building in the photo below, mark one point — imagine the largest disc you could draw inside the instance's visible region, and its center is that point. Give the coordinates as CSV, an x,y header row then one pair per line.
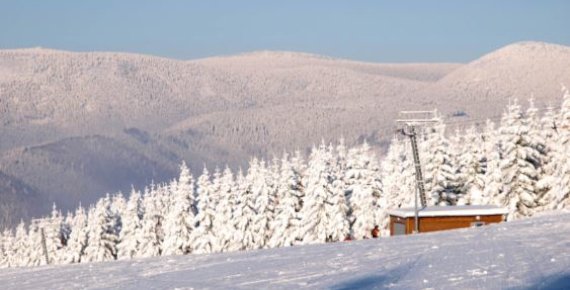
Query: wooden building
x,y
439,218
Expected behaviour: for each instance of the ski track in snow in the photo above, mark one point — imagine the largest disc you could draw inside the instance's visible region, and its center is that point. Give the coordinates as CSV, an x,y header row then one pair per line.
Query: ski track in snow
x,y
527,254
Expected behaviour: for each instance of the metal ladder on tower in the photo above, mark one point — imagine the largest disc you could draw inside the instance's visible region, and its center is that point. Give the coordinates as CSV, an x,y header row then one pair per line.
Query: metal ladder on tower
x,y
418,167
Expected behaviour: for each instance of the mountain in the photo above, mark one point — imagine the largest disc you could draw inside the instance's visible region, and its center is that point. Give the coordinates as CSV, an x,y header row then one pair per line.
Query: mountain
x,y
77,125
521,70
524,254
19,200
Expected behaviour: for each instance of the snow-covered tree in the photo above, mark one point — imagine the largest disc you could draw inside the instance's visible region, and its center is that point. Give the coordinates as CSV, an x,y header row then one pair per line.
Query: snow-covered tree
x,y
244,212
324,213
398,180
18,250
6,243
102,233
78,237
559,194
150,234
263,204
131,221
363,179
223,223
56,236
285,225
398,177
441,173
35,254
179,222
204,237
472,168
520,164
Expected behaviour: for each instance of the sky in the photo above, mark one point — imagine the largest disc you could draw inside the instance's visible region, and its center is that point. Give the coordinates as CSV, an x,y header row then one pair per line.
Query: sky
x,y
378,31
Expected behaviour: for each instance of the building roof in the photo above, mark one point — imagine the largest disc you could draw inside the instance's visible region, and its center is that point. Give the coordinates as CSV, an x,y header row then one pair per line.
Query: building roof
x,y
460,210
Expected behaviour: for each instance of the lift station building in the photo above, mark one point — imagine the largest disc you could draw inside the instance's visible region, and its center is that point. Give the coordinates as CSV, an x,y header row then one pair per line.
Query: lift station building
x,y
439,218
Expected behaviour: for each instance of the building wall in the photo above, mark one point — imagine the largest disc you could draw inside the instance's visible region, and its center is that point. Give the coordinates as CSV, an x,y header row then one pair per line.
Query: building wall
x,y
432,224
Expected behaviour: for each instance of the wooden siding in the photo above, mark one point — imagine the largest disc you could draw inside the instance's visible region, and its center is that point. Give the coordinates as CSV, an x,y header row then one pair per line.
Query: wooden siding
x,y
432,224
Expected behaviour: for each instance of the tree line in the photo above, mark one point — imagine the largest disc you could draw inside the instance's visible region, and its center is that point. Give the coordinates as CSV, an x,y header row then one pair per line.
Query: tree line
x,y
336,193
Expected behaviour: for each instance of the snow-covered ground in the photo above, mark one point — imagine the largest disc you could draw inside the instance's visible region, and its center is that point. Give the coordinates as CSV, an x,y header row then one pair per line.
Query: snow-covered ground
x,y
526,254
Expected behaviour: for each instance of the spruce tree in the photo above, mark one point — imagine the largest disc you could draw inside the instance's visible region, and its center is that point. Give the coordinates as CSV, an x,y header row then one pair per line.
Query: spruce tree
x,y
223,223
78,237
285,225
203,238
103,234
56,236
179,222
263,204
398,177
245,210
520,164
441,177
130,236
559,195
473,168
6,242
363,180
150,234
324,212
18,250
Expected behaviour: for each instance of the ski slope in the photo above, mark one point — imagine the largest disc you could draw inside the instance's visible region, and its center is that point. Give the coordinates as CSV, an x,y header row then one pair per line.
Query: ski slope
x,y
526,254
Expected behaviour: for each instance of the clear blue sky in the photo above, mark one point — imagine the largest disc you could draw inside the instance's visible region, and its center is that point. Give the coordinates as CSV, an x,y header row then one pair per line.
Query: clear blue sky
x,y
383,31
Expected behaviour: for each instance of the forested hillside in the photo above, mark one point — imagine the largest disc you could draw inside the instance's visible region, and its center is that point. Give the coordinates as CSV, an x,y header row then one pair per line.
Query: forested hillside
x,y
336,193
74,126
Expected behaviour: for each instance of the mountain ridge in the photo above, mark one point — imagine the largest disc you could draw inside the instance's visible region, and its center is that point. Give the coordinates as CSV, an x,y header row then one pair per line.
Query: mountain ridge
x,y
223,110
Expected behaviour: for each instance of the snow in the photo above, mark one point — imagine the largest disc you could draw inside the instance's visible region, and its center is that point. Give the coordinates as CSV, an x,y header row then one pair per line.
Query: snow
x,y
525,254
460,210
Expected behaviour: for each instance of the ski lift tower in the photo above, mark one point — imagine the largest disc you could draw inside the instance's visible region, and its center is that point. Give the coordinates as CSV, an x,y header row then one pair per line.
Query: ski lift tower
x,y
408,121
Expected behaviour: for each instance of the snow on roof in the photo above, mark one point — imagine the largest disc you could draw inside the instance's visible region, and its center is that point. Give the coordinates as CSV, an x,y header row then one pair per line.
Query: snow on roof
x,y
463,210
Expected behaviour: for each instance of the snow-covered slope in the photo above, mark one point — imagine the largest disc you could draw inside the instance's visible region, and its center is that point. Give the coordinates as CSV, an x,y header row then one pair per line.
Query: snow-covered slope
x,y
526,254
520,70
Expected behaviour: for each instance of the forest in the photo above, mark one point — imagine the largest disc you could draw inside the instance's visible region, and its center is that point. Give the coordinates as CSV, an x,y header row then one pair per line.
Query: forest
x,y
337,193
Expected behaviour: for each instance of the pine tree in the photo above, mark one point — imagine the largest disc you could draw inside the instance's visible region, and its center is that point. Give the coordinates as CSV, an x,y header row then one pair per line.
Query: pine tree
x,y
34,254
103,234
56,236
398,177
18,250
285,225
493,178
441,176
549,133
179,223
150,234
203,238
323,216
130,237
78,238
363,179
264,202
473,168
520,163
118,204
299,167
559,195
223,223
245,210
6,242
